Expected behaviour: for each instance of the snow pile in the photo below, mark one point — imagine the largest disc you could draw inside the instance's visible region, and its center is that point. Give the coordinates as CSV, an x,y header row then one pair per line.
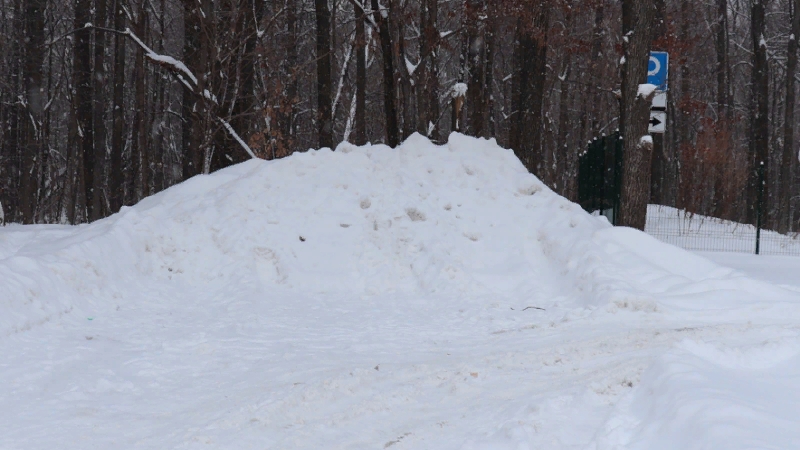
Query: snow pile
x,y
465,217
419,297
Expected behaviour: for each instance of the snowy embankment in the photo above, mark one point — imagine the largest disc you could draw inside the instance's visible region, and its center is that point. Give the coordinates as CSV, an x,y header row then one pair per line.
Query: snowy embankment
x,y
420,297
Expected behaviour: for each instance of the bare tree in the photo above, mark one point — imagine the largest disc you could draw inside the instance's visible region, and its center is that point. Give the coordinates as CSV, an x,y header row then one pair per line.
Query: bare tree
x,y
324,84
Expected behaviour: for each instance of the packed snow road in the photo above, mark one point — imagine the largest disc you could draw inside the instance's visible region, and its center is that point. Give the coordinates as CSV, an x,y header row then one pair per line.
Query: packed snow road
x,y
423,297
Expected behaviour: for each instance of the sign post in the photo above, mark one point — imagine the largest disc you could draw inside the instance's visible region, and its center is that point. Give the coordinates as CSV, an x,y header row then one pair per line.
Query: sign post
x,y
658,75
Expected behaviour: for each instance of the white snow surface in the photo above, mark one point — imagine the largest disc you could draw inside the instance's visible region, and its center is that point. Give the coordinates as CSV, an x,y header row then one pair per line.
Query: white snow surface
x,y
646,90
371,297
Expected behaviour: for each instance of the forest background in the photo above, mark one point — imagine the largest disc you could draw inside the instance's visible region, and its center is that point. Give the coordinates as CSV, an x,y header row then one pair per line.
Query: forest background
x,y
105,102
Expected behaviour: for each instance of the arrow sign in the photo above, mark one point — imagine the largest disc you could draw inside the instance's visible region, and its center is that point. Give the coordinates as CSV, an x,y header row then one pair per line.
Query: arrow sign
x,y
658,122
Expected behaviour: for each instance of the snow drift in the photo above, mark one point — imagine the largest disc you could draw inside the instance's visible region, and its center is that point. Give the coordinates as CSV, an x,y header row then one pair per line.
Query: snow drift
x,y
443,220
371,297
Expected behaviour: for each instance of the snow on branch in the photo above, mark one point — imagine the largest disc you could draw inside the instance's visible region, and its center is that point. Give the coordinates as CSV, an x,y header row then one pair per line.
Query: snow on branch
x,y
189,80
238,139
164,60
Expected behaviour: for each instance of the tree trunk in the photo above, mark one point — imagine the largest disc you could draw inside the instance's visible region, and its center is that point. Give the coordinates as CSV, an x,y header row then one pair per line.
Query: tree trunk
x,y
720,28
99,81
789,160
476,65
489,33
637,20
406,87
288,111
193,109
759,156
390,108
35,99
682,125
82,79
598,34
360,129
139,153
324,84
562,152
531,63
427,72
118,113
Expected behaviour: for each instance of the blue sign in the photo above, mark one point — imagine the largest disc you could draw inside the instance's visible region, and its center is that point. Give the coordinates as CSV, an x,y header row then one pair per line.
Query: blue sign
x,y
658,70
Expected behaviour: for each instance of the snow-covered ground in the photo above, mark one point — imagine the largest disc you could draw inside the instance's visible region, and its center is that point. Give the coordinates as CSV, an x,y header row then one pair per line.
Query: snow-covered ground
x,y
427,297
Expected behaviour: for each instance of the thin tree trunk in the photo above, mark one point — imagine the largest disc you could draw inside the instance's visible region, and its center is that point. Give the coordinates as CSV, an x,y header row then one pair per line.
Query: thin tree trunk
x,y
289,109
562,152
139,154
488,90
35,99
682,128
789,160
427,72
721,47
406,87
82,78
759,157
115,180
360,129
99,101
389,105
324,83
193,110
476,66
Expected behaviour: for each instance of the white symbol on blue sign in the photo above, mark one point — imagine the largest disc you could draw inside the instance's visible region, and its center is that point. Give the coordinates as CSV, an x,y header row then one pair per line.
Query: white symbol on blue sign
x,y
658,69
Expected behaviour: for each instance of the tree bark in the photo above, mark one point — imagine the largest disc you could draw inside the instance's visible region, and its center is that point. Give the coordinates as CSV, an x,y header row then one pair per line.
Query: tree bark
x,y
406,88
720,28
195,53
389,105
324,83
35,99
427,72
99,101
139,153
789,157
289,99
360,129
531,64
118,114
476,65
82,79
637,20
759,153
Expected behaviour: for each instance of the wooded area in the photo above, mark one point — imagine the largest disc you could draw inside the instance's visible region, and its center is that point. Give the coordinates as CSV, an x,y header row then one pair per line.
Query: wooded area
x,y
105,102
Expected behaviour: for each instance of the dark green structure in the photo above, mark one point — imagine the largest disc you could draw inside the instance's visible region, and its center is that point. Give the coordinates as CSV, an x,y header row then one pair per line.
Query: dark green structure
x,y
600,176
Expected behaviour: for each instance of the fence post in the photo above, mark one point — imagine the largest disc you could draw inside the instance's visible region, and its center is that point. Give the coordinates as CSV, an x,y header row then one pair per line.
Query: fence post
x,y
618,147
759,206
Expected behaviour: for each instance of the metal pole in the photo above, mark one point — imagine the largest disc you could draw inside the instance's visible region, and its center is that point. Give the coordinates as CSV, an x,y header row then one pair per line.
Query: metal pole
x,y
617,140
759,206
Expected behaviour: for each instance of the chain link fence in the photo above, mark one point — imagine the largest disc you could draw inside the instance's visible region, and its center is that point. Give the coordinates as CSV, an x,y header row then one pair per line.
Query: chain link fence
x,y
703,233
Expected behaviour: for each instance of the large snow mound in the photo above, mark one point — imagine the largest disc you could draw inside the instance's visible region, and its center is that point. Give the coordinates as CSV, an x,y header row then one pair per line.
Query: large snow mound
x,y
465,217
384,298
